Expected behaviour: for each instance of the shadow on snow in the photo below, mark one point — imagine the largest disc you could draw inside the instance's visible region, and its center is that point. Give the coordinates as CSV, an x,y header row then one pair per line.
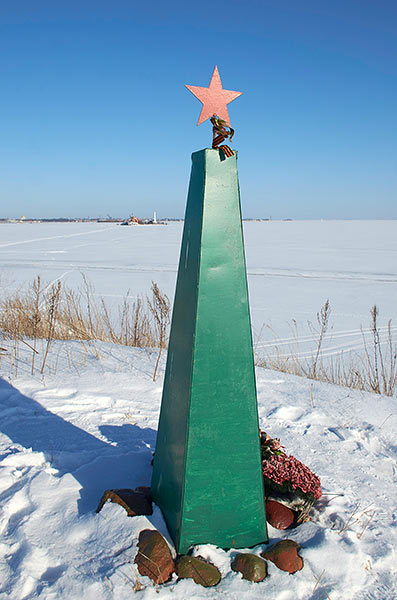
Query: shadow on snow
x,y
121,461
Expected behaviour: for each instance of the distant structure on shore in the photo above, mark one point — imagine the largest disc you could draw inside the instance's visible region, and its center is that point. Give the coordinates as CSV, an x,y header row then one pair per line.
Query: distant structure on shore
x,y
132,220
136,221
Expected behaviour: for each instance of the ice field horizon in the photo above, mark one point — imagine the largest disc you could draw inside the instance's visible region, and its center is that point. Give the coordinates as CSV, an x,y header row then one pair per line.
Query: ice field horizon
x,y
293,268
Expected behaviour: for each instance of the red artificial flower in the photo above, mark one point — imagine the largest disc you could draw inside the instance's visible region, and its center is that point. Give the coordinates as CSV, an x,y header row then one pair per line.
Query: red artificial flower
x,y
283,469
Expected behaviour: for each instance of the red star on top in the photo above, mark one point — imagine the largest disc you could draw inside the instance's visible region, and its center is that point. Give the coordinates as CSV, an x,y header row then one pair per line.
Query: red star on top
x,y
213,98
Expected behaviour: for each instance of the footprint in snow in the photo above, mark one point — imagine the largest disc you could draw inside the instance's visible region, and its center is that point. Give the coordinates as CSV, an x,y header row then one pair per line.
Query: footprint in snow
x,y
64,393
288,413
36,571
14,512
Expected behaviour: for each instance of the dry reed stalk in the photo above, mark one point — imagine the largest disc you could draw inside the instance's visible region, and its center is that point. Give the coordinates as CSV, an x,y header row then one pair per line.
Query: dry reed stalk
x,y
159,306
53,303
319,582
322,320
36,315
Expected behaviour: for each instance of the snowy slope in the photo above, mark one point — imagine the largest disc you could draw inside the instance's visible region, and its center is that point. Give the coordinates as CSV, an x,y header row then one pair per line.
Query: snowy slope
x,y
91,425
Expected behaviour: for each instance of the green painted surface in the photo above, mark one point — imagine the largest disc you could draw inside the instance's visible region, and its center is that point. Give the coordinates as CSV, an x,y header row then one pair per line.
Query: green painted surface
x,y
207,470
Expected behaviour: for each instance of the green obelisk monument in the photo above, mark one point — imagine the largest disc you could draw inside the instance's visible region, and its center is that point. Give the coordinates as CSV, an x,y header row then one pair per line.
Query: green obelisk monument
x,y
207,476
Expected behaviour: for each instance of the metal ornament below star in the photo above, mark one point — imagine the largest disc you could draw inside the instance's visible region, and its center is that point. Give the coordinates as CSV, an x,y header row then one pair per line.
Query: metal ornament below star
x,y
213,98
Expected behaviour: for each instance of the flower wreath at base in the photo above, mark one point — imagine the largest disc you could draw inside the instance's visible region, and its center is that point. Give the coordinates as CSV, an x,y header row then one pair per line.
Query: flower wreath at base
x,y
287,480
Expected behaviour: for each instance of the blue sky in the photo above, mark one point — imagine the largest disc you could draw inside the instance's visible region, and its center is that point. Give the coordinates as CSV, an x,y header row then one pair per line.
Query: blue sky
x,y
95,119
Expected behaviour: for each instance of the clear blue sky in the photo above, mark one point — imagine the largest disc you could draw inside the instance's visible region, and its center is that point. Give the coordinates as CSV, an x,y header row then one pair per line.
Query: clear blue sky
x,y
95,118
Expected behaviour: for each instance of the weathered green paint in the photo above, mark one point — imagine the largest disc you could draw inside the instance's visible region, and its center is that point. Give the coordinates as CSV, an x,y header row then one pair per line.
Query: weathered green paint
x,y
207,471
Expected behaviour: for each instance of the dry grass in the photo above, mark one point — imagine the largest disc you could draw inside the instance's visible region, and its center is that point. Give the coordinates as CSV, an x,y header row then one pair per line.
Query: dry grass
x,y
56,312
59,313
372,368
159,306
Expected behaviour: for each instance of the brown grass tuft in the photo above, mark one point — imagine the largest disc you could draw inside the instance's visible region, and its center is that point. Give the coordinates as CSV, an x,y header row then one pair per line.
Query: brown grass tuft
x,y
57,312
374,369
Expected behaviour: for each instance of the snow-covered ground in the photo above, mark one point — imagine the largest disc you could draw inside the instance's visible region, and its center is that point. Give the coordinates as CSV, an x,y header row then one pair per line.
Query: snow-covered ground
x,y
90,423
293,267
91,426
